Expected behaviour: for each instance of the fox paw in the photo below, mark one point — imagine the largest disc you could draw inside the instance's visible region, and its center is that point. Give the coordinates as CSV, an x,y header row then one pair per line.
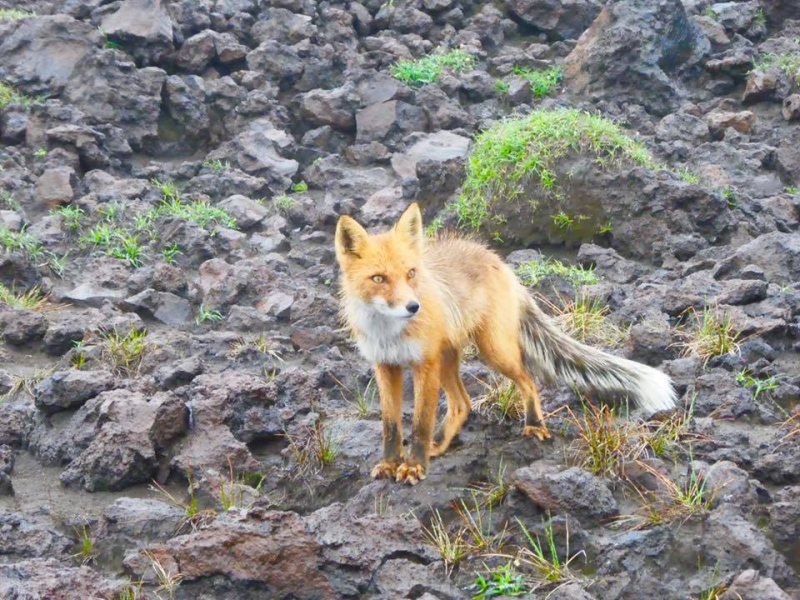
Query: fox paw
x,y
384,470
410,474
538,431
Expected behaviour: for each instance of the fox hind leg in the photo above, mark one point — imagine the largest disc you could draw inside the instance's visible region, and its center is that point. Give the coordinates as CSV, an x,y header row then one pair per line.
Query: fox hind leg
x,y
458,403
499,346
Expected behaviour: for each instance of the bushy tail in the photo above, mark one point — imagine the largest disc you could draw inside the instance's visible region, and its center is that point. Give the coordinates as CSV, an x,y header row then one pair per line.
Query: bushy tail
x,y
555,356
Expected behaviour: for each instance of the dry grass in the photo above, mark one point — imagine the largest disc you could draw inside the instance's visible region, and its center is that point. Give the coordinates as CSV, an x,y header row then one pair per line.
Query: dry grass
x,y
124,353
542,558
500,400
606,443
673,501
168,582
33,299
312,449
192,516
586,320
260,344
452,546
495,490
710,334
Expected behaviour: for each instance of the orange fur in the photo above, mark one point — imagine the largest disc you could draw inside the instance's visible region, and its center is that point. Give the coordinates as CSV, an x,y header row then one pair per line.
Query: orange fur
x,y
465,294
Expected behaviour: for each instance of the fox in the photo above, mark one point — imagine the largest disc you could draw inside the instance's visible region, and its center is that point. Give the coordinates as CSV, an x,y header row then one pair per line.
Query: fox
x,y
412,302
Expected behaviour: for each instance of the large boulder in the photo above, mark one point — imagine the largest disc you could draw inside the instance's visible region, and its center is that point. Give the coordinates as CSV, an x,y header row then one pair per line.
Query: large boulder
x,y
71,389
143,28
42,54
632,52
559,19
334,553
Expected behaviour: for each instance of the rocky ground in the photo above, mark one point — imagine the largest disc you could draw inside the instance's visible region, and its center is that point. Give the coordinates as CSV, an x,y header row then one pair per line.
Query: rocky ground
x,y
182,416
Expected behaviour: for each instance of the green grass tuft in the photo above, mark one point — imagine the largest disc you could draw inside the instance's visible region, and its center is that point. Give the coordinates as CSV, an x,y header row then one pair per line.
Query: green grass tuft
x,y
8,95
533,271
30,300
542,81
13,14
427,70
204,314
788,63
522,150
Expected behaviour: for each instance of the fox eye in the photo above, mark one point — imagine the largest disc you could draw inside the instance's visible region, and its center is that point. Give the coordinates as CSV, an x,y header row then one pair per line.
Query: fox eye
x,y
411,273
378,278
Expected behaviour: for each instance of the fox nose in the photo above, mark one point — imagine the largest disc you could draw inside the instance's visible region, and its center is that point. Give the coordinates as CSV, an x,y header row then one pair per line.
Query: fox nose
x,y
412,307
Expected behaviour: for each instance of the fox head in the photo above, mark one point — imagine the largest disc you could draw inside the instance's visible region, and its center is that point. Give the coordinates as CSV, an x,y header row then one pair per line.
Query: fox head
x,y
382,271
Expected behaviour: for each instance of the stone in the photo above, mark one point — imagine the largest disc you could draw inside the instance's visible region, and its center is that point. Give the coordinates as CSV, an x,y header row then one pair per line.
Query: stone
x,y
65,390
90,294
441,146
791,107
335,108
720,120
573,491
388,121
161,306
630,51
143,27
54,188
559,19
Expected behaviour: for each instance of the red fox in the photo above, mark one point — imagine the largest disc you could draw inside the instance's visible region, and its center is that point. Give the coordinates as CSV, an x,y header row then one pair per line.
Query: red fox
x,y
415,302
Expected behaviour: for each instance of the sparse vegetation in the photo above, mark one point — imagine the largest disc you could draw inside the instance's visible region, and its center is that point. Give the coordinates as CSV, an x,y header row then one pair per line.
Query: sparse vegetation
x,y
521,151
759,385
40,152
495,490
501,87
33,299
260,344
586,319
500,399
132,591
501,582
362,398
791,190
427,69
168,582
563,220
124,353
533,271
23,242
9,95
542,81
687,176
452,547
711,333
71,215
198,211
543,558
217,165
312,449
170,253
671,501
788,64
283,203
13,14
86,551
205,314
434,227
605,443
300,187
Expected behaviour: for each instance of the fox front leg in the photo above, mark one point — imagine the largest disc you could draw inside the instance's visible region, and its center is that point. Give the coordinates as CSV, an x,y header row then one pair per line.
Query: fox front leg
x,y
426,396
390,389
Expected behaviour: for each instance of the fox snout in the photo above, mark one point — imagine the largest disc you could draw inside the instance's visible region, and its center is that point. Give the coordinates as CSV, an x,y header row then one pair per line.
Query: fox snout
x,y
400,309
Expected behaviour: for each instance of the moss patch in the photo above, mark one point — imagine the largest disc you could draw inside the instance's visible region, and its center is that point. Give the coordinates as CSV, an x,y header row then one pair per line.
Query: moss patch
x,y
521,151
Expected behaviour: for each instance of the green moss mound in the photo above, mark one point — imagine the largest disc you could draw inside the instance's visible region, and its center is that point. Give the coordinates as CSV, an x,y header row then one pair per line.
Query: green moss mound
x,y
519,152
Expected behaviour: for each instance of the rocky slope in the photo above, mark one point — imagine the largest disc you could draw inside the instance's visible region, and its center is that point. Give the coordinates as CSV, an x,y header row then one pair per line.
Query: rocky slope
x,y
182,416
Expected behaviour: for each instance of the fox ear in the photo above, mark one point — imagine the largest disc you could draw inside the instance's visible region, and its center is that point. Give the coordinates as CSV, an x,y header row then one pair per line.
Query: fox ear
x,y
350,238
409,226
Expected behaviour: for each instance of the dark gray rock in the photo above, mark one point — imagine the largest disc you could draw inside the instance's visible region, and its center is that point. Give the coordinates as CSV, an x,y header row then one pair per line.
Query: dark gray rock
x,y
23,536
559,19
386,122
572,491
631,51
66,390
161,306
143,28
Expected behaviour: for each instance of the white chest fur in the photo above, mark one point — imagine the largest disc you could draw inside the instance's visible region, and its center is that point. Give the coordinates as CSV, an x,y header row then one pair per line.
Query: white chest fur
x,y
381,338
